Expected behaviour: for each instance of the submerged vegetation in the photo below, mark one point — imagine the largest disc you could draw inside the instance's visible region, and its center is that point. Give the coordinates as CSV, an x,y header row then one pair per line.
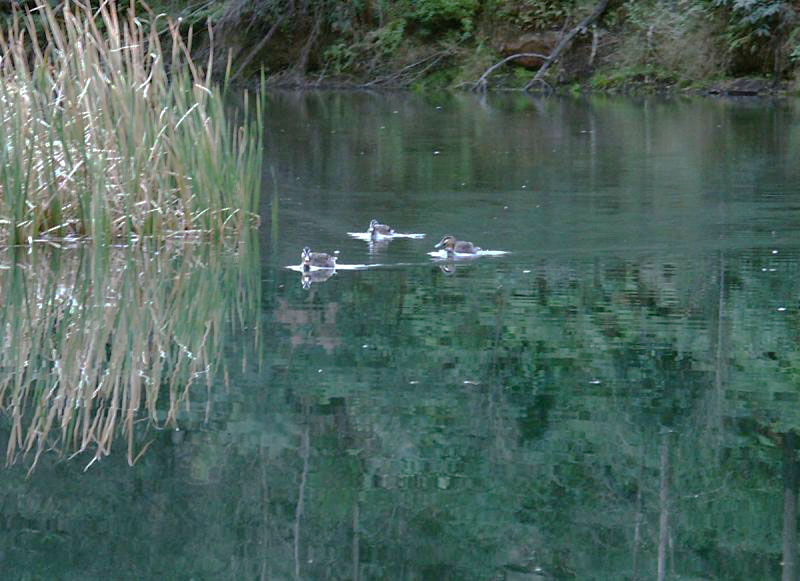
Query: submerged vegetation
x,y
110,130
102,341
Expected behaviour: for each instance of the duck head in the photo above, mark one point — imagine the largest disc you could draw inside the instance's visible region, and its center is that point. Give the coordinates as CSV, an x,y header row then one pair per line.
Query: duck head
x,y
448,242
372,224
305,256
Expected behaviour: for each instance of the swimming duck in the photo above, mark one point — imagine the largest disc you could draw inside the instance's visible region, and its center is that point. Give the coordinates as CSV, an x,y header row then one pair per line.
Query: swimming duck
x,y
377,229
318,259
452,245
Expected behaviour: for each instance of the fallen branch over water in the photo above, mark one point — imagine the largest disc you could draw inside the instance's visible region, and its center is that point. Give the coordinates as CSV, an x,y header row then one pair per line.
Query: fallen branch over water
x,y
566,41
481,83
409,73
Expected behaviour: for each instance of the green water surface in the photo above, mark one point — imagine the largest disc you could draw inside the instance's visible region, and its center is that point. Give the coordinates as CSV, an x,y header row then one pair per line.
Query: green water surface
x,y
615,398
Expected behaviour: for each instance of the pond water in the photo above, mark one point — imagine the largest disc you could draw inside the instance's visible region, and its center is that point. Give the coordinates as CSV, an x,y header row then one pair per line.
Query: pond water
x,y
616,397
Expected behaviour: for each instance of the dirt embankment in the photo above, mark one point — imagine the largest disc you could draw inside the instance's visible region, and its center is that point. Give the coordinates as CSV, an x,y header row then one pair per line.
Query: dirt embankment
x,y
600,45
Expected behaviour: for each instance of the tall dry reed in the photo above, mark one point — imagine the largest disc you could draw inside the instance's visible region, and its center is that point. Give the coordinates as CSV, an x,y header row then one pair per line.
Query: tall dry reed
x,y
105,133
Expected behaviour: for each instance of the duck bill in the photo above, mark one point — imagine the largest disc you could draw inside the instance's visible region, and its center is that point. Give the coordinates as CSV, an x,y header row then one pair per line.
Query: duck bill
x,y
440,243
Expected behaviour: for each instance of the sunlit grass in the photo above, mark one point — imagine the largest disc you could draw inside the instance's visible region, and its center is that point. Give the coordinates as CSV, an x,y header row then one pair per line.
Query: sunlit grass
x,y
105,135
98,342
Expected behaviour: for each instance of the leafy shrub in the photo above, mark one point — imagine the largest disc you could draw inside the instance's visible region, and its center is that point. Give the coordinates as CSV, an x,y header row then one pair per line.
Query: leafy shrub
x,y
755,30
754,19
346,56
533,14
339,56
677,39
442,14
387,39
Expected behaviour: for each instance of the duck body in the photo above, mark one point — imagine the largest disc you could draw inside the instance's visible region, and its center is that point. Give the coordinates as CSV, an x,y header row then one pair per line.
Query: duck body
x,y
453,246
316,259
377,230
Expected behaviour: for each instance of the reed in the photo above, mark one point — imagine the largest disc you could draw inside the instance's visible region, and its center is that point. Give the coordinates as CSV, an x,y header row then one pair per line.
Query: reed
x,y
108,133
101,341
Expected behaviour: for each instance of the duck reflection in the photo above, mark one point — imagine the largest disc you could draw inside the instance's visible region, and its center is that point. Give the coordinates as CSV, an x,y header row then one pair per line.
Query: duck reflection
x,y
376,246
448,268
309,277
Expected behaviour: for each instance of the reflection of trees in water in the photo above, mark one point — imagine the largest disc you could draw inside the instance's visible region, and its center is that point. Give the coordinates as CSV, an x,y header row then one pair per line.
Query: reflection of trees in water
x,y
581,447
310,326
579,419
95,341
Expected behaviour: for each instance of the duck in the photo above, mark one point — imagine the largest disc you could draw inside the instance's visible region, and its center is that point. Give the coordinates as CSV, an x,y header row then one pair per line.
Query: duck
x,y
318,259
454,246
377,229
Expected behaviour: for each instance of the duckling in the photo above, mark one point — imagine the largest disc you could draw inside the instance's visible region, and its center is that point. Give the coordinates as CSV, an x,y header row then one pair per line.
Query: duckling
x,y
318,259
456,246
377,229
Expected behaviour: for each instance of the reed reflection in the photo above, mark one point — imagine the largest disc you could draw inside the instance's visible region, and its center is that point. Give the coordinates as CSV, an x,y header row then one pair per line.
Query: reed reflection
x,y
98,343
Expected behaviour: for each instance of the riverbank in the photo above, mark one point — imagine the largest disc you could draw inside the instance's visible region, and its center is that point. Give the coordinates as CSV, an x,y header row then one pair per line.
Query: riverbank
x,y
569,45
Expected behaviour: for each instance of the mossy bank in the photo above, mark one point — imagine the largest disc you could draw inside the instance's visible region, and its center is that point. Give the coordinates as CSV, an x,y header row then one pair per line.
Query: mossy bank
x,y
657,44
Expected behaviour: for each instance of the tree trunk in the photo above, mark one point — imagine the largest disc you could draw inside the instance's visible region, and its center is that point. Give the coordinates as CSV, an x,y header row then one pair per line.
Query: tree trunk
x,y
566,41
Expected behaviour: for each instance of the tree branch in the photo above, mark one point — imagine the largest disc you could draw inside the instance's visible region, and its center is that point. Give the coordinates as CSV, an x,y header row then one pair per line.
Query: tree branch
x,y
256,49
480,84
566,41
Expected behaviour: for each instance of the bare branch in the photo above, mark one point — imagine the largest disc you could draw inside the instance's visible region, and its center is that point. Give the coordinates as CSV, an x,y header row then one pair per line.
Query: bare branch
x,y
256,49
567,40
480,84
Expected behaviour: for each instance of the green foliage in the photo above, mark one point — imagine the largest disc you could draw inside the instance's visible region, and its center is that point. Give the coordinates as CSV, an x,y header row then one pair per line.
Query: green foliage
x,y
755,29
441,79
437,15
339,56
689,40
668,39
755,19
619,78
532,14
348,56
342,17
387,39
523,75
